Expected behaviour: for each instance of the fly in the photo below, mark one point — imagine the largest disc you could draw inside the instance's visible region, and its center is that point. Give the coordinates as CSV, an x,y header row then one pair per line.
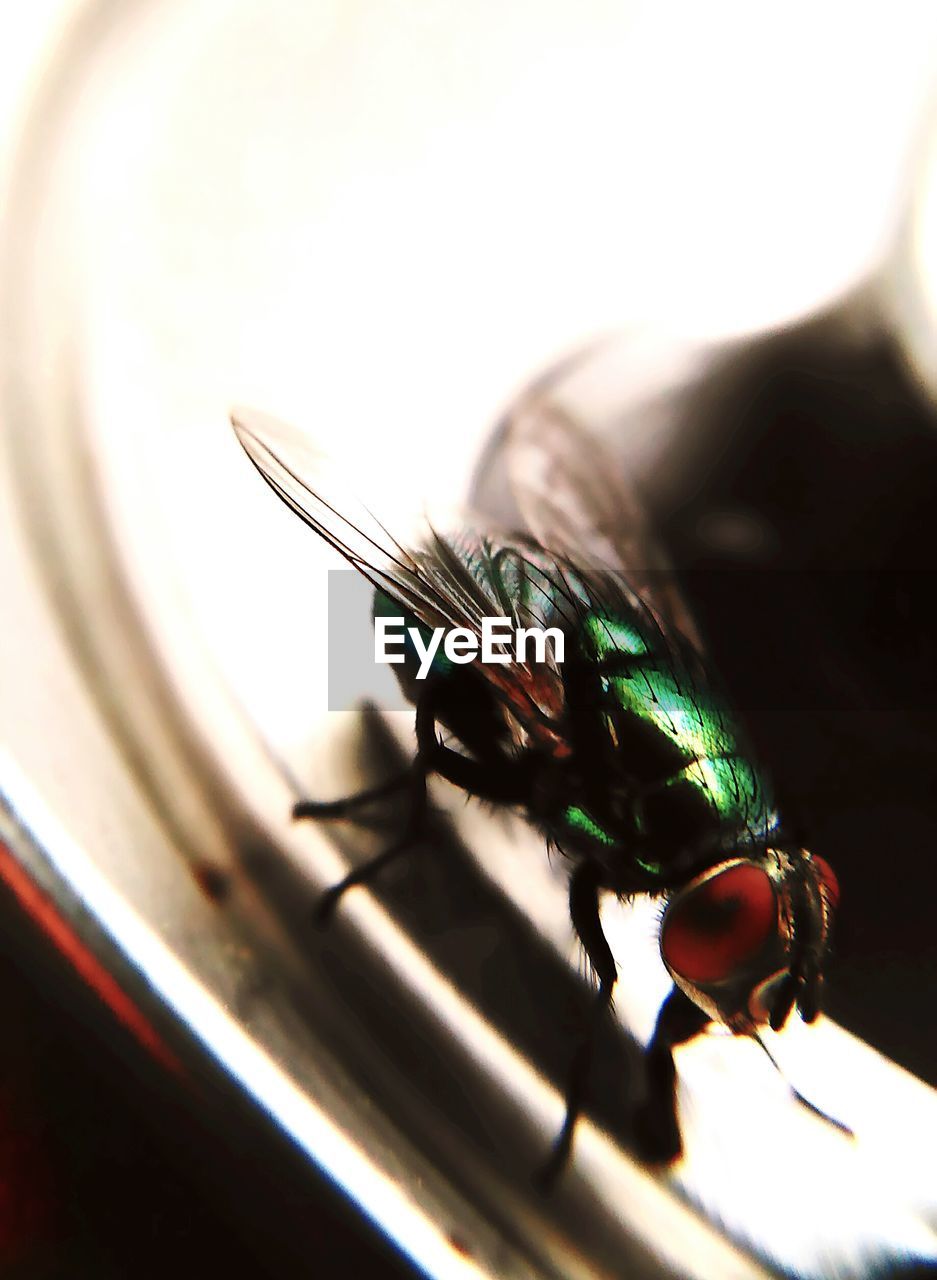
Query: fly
x,y
624,756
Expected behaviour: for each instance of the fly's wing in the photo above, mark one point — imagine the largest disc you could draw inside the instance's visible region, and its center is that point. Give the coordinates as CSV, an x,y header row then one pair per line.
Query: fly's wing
x,y
427,584
565,484
445,583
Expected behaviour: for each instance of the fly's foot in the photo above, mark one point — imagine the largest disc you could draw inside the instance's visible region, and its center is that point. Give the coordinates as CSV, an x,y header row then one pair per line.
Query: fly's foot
x,y
324,909
361,875
656,1134
656,1129
546,1177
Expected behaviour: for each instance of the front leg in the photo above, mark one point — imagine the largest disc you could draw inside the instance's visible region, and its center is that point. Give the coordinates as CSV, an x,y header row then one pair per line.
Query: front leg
x,y
656,1130
505,781
584,886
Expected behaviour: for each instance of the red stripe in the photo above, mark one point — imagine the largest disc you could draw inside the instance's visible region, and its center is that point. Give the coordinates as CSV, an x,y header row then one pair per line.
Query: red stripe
x,y
40,907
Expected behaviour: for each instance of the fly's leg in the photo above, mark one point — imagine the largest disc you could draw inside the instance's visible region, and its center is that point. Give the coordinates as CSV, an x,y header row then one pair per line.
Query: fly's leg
x,y
801,985
348,806
432,756
413,779
416,779
809,998
584,910
655,1123
504,783
784,1001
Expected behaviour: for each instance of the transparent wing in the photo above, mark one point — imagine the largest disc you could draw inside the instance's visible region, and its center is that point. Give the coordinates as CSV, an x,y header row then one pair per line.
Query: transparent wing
x,y
430,583
434,582
569,492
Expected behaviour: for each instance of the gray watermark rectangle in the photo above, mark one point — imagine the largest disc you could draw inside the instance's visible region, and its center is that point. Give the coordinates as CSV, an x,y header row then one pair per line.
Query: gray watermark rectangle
x,y
353,674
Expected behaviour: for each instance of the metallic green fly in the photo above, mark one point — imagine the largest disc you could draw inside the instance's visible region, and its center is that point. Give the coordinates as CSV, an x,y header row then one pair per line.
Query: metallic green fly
x,y
625,755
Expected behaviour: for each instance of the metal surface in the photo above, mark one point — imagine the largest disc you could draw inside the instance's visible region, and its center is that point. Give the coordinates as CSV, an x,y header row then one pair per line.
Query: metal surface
x,y
195,180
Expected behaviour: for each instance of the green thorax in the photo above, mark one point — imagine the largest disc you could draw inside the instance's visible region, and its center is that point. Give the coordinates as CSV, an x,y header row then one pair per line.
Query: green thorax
x,y
668,692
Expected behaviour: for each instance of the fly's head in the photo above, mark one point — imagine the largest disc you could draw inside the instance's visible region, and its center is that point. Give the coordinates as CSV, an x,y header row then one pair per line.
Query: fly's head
x,y
746,939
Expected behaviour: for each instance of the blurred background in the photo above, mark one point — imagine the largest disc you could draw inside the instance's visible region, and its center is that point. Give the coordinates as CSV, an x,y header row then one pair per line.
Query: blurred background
x,y
384,224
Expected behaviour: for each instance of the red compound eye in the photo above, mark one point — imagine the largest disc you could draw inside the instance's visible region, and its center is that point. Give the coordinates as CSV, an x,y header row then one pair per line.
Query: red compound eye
x,y
829,885
712,931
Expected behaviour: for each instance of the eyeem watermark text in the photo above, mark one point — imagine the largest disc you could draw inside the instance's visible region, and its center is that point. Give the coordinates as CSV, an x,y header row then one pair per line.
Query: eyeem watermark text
x,y
461,645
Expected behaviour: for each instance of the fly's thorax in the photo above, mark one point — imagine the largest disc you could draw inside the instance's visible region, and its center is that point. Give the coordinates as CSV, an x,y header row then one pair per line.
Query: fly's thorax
x,y
742,930
664,740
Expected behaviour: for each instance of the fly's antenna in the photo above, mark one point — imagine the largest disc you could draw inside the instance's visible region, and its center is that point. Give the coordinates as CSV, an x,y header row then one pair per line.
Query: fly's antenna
x,y
804,1102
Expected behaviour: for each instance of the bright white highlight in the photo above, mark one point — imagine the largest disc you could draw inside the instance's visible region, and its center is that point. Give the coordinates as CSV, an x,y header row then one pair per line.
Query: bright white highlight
x,y
382,639
496,634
